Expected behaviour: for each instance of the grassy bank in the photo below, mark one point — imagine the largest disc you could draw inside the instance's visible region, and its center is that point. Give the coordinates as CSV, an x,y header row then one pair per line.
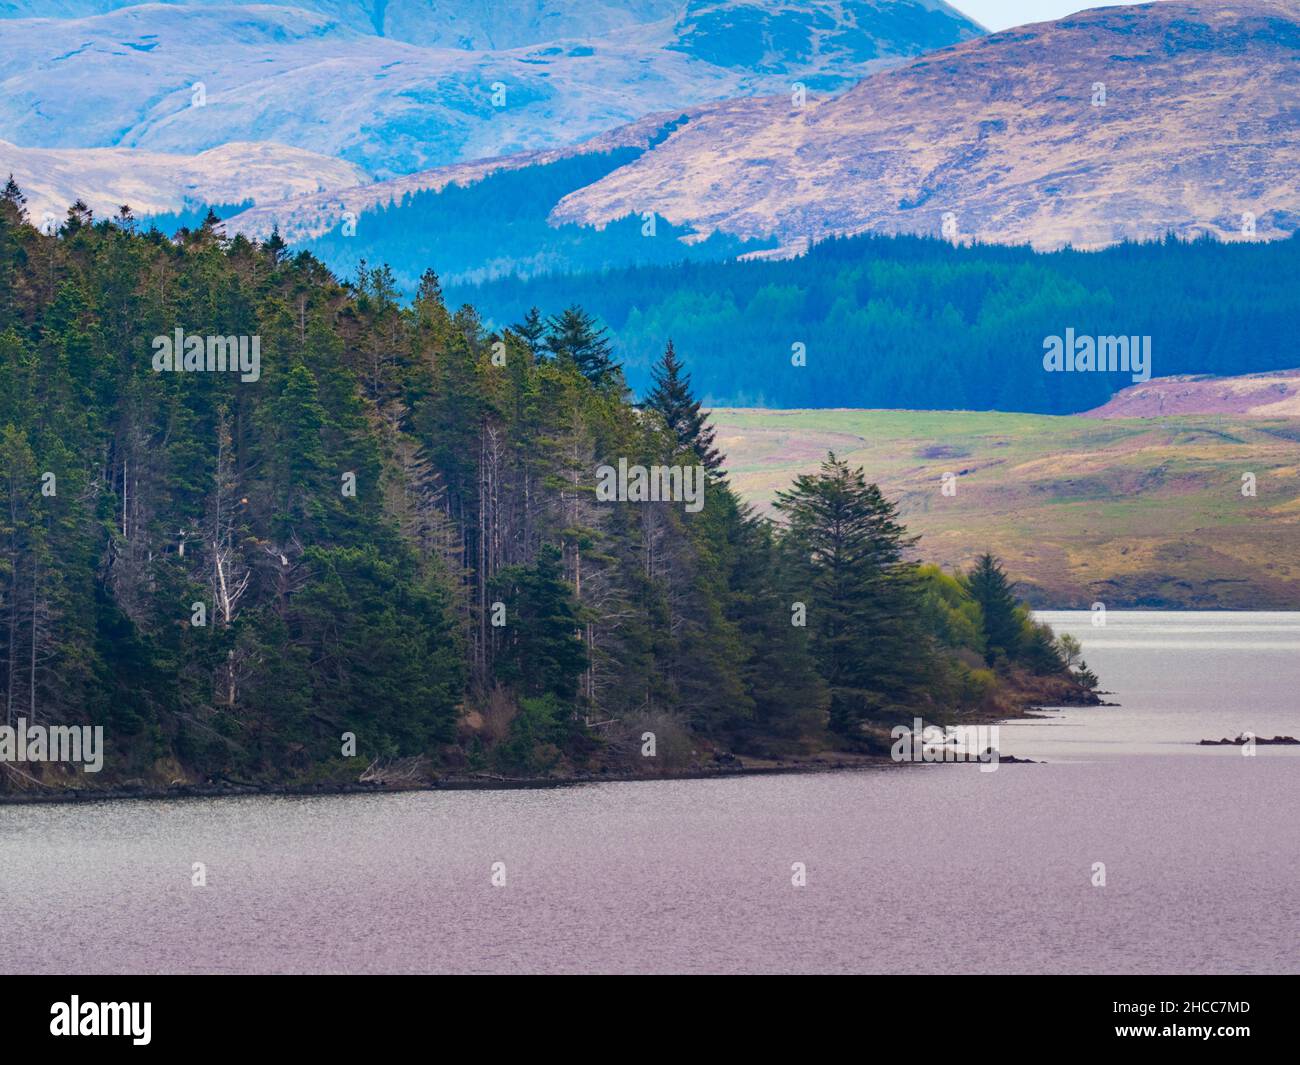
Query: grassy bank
x,y
1131,512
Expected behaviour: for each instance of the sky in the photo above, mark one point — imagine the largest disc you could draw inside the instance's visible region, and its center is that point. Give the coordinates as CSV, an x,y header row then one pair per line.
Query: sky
x,y
1003,14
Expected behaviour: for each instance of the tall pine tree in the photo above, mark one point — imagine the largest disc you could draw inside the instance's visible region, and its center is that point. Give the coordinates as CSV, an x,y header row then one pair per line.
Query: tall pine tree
x,y
671,397
859,594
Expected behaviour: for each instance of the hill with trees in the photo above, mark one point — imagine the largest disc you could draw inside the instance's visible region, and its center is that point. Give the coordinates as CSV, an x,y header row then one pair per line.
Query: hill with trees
x,y
917,323
382,555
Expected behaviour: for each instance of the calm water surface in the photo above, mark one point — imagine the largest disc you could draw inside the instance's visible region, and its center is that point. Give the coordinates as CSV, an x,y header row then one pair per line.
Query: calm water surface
x,y
915,869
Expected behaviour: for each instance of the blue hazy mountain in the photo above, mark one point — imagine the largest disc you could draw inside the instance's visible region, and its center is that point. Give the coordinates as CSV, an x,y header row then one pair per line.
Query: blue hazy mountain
x,y
444,82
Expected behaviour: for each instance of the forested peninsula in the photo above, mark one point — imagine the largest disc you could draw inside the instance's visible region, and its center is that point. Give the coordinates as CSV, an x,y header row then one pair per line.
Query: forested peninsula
x,y
270,529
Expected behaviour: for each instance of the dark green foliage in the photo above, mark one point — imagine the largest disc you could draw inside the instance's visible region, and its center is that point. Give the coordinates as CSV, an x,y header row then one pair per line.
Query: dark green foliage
x,y
915,323
536,733
988,586
532,331
574,335
671,397
232,576
860,595
541,652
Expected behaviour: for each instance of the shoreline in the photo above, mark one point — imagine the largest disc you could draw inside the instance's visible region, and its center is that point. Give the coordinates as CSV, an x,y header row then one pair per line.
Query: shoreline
x,y
729,765
840,762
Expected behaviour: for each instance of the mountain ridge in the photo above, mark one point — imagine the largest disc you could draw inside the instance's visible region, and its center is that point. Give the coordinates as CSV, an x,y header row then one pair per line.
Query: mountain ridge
x,y
271,73
1100,126
884,157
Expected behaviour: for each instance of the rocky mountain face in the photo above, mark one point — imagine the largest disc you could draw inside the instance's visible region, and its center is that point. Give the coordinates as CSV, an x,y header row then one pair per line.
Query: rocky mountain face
x,y
1118,122
474,26
158,183
445,83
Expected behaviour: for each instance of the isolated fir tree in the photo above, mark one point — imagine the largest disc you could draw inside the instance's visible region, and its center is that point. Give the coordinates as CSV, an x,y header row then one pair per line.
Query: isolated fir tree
x,y
12,194
988,585
860,595
671,397
275,245
574,335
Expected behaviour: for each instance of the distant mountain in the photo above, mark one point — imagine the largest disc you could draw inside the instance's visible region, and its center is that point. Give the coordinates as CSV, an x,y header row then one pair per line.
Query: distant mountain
x,y
485,80
1113,123
1001,132
479,26
474,222
1259,395
157,183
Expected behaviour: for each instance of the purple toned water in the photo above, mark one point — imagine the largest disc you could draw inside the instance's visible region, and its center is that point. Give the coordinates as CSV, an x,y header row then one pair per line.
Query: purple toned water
x,y
935,868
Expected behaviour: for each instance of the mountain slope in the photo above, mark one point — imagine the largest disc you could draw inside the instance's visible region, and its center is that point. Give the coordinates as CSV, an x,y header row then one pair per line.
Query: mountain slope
x,y
1260,395
1198,127
475,26
317,82
301,218
157,183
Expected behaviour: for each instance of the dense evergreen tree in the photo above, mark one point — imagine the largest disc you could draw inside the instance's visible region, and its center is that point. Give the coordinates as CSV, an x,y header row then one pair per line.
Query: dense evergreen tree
x,y
915,323
671,397
988,586
12,194
532,331
543,653
857,590
574,335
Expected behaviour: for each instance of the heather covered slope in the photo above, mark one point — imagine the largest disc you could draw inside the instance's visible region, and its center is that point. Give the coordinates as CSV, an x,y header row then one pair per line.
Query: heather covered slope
x,y
158,183
1010,133
1264,395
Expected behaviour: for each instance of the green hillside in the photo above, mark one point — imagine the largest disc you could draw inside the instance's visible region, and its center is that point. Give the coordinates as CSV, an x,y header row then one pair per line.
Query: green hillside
x,y
1126,512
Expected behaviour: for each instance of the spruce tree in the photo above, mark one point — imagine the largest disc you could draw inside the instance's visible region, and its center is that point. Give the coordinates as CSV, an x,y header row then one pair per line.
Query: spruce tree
x,y
542,653
12,193
574,335
275,245
988,585
532,331
671,397
859,593
790,699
